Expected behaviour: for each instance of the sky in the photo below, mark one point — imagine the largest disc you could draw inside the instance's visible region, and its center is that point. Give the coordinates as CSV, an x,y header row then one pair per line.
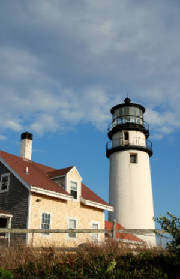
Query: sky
x,y
65,63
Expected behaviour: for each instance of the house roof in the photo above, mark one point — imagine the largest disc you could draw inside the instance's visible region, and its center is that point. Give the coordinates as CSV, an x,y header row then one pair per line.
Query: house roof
x,y
124,236
88,194
59,172
39,176
37,173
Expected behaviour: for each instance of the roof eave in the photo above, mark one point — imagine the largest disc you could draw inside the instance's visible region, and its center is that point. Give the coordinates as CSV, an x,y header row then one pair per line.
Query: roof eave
x,y
96,204
50,193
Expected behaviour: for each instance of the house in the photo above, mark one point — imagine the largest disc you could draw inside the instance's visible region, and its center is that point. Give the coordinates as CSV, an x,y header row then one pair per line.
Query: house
x,y
36,196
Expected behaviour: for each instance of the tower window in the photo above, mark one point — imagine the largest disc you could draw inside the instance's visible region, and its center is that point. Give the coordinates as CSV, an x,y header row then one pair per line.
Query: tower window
x,y
126,136
133,158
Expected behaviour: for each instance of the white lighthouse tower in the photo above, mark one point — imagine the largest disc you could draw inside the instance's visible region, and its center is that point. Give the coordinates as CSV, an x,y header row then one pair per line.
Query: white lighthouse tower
x,y
130,189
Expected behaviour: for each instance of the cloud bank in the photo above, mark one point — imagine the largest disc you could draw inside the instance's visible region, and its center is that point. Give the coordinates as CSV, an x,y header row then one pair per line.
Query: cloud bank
x,y
63,63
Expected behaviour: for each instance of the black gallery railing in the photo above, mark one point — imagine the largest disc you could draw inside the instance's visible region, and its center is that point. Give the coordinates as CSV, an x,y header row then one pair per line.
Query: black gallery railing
x,y
135,141
128,119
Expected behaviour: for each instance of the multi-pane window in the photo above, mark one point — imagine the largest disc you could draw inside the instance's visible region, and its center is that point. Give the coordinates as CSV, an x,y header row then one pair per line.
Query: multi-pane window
x,y
95,235
5,180
45,222
72,225
73,189
133,158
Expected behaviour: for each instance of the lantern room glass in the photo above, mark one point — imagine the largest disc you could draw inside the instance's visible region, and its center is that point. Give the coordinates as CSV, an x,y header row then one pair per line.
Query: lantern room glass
x,y
128,114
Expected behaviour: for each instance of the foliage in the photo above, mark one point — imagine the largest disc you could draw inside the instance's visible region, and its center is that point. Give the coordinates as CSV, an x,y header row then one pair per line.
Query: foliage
x,y
5,274
171,224
108,260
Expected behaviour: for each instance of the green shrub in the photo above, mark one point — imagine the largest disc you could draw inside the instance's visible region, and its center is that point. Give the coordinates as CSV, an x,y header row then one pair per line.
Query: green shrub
x,y
5,274
171,224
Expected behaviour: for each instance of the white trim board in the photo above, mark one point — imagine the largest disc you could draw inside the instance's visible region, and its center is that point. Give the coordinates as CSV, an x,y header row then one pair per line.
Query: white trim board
x,y
50,193
97,205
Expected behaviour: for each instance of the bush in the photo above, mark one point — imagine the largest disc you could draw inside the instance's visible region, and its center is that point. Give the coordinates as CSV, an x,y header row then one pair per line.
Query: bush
x,y
171,224
5,274
109,260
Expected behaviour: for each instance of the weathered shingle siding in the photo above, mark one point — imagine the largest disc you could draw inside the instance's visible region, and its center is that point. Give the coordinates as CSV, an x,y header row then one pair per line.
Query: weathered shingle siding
x,y
15,200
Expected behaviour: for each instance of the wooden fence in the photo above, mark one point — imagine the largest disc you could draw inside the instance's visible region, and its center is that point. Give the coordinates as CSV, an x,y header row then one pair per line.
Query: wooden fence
x,y
111,233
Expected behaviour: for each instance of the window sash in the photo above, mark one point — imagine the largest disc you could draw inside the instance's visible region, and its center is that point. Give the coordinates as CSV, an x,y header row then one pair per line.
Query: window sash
x,y
72,225
95,236
73,189
5,180
45,222
133,158
74,194
74,185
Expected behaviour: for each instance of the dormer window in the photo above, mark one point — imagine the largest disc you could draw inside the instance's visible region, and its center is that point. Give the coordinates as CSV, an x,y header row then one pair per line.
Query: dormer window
x,y
5,181
73,189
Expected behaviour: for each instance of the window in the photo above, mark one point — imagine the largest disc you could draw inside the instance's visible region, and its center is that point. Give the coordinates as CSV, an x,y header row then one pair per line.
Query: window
x,y
5,181
126,136
95,236
73,189
126,110
45,222
72,225
133,158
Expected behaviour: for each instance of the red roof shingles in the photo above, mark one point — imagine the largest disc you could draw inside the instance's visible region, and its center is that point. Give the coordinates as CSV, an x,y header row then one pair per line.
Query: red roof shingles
x,y
88,194
39,176
125,236
37,173
59,172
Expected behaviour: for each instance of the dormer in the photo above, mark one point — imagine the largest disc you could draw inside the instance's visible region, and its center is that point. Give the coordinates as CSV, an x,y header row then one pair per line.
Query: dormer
x,y
73,183
69,179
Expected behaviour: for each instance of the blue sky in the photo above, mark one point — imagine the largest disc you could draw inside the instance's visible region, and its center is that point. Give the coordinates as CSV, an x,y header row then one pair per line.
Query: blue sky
x,y
64,64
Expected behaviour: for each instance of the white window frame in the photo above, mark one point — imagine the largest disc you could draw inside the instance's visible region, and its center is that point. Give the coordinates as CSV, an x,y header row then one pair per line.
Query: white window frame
x,y
8,183
75,182
95,239
45,212
68,235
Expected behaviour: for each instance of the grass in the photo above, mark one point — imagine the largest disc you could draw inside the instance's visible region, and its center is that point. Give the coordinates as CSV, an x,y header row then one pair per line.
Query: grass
x,y
108,260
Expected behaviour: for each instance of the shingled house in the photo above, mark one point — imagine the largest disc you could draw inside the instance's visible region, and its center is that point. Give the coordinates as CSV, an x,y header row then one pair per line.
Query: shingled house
x,y
36,196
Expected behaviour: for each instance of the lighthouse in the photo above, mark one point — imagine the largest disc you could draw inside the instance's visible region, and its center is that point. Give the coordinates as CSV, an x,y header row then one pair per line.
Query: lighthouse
x,y
130,187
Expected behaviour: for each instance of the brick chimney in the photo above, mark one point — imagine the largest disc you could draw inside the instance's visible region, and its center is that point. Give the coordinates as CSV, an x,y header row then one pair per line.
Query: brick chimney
x,y
26,145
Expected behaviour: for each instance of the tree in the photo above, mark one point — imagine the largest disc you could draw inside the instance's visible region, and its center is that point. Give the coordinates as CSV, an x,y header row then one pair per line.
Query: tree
x,y
171,224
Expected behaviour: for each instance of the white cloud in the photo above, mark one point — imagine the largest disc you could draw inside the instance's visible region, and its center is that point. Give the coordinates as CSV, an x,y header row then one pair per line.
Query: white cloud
x,y
11,124
162,123
44,122
17,64
63,64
